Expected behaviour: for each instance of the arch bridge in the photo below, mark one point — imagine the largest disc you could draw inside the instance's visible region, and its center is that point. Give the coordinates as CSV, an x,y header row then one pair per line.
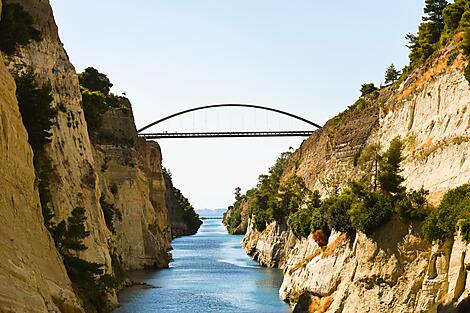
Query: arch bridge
x,y
226,134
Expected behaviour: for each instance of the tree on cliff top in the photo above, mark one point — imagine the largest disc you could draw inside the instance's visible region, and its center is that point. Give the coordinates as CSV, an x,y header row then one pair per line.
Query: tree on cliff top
x,y
391,74
95,81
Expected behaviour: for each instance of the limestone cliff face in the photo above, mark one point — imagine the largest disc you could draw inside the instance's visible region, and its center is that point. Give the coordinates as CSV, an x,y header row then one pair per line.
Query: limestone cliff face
x,y
32,276
119,182
394,270
131,184
75,182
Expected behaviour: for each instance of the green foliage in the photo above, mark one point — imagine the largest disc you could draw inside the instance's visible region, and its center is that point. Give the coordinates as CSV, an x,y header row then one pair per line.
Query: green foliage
x,y
441,223
264,204
391,74
367,88
299,223
89,278
109,212
369,209
413,205
455,18
336,212
69,235
190,216
38,118
97,99
389,177
93,80
37,113
94,106
16,28
467,72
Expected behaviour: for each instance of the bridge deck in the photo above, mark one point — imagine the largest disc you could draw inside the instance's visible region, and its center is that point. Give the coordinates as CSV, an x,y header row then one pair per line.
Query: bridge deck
x,y
227,134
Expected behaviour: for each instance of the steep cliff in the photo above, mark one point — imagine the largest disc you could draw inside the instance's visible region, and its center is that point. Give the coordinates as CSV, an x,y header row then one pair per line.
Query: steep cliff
x,y
74,182
32,276
132,191
394,268
117,181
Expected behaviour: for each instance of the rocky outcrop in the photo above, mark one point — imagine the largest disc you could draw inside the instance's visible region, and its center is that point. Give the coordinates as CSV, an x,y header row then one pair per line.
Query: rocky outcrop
x,y
32,276
133,190
183,219
393,270
236,218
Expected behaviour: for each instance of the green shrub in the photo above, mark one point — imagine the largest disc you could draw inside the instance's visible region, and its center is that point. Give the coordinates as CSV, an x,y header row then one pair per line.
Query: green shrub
x,y
299,223
413,205
370,211
367,88
34,102
93,80
389,176
441,223
16,28
318,219
467,72
38,117
109,212
336,212
452,58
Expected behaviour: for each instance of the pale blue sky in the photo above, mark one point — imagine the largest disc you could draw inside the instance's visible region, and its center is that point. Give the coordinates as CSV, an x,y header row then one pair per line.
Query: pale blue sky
x,y
305,57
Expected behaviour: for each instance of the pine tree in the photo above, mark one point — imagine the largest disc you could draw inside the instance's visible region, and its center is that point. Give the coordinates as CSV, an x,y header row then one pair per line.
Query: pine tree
x,y
391,74
389,176
36,111
434,10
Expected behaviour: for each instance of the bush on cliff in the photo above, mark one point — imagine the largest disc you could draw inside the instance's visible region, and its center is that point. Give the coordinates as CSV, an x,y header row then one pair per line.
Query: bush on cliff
x,y
16,28
97,99
89,278
453,211
38,116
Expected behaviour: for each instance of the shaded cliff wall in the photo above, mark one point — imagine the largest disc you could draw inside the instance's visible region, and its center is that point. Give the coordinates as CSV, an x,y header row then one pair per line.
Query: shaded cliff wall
x,y
32,276
74,181
132,185
184,221
394,269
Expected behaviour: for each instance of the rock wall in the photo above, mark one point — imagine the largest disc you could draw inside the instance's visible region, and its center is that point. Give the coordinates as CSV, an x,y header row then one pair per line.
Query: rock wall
x,y
131,183
121,171
74,183
32,276
394,270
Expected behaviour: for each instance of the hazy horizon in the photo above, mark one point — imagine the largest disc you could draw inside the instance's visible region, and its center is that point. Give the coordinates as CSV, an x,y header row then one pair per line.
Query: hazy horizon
x,y
306,58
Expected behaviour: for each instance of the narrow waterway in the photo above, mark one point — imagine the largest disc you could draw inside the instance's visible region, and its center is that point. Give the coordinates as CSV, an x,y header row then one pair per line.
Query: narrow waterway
x,y
210,273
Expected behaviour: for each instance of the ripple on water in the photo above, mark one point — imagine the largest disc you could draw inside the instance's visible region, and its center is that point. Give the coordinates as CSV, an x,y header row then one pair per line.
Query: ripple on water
x,y
210,272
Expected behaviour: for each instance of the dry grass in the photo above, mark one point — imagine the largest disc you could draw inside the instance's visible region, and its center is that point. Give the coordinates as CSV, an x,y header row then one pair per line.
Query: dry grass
x,y
442,58
306,260
332,246
320,305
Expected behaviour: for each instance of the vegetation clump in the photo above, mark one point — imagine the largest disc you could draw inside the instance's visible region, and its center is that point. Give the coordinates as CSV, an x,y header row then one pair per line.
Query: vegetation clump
x,y
453,211
97,98
363,205
38,116
16,28
88,277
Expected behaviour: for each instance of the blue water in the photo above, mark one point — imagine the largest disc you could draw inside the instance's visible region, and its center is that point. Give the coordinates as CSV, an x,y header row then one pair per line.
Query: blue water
x,y
210,273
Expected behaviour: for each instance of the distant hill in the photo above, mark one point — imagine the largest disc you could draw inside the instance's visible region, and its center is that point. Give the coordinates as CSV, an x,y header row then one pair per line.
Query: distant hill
x,y
211,212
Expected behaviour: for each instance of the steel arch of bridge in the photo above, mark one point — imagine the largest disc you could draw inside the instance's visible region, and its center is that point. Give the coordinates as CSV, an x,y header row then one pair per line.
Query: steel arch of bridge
x,y
227,134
